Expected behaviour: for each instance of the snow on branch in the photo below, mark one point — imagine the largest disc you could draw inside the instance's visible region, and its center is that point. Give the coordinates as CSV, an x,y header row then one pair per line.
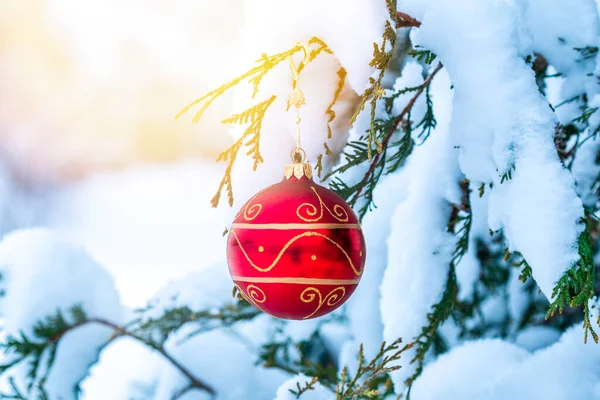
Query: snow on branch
x,y
60,331
361,193
505,131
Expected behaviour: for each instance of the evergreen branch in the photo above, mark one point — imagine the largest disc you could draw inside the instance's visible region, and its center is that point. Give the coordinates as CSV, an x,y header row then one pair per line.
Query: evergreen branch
x,y
357,189
459,224
48,333
309,357
587,52
15,394
392,7
439,313
363,383
341,73
579,126
381,60
526,272
254,117
576,286
303,389
195,382
419,54
369,376
378,366
428,123
254,75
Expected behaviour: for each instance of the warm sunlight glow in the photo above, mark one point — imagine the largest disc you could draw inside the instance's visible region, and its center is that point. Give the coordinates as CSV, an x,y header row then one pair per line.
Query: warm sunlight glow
x,y
84,86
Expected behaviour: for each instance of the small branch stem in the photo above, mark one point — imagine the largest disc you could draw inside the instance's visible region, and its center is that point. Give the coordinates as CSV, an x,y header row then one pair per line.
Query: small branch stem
x,y
406,21
121,331
395,126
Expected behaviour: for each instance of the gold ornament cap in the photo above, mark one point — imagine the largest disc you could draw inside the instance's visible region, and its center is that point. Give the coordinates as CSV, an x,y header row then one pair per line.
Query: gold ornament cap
x,y
299,168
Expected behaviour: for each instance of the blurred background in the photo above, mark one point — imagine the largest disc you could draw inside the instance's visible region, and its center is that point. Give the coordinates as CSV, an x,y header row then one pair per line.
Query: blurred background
x,y
88,141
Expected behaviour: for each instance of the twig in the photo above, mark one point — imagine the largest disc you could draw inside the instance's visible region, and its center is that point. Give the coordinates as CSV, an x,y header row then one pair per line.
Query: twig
x,y
120,331
406,21
395,126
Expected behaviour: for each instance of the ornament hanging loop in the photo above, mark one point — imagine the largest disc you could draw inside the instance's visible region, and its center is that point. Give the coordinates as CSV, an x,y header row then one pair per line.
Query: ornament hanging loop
x,y
298,155
296,69
297,99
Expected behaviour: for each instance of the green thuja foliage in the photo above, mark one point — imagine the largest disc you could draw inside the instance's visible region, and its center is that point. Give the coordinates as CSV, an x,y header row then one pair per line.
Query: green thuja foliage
x,y
383,148
253,118
389,140
394,138
460,225
36,351
575,287
421,54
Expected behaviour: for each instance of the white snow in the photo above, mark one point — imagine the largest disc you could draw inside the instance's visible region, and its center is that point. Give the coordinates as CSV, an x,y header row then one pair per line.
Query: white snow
x,y
502,123
363,307
148,220
585,167
362,22
419,246
220,359
31,262
557,29
537,337
497,370
472,371
127,369
152,227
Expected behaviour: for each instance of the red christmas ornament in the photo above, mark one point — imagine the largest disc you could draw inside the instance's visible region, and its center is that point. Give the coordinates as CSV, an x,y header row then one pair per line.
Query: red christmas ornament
x,y
296,250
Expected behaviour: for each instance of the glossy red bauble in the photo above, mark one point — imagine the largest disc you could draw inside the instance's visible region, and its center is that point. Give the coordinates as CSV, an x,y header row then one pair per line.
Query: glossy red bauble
x,y
296,250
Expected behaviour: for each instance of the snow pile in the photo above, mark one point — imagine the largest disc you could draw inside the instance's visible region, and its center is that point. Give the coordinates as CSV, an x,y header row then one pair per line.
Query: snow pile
x,y
219,358
363,307
127,369
537,337
207,289
30,262
419,246
586,170
497,370
558,29
505,128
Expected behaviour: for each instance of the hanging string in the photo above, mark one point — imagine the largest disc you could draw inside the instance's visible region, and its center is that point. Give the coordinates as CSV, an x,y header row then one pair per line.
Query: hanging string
x,y
297,99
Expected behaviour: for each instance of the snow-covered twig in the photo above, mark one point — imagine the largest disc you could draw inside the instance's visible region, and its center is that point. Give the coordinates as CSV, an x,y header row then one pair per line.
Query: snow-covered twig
x,y
397,121
406,21
122,331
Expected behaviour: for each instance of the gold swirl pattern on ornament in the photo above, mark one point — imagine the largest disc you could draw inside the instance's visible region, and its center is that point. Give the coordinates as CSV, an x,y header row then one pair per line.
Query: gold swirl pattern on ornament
x,y
251,211
311,210
311,293
256,296
287,245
